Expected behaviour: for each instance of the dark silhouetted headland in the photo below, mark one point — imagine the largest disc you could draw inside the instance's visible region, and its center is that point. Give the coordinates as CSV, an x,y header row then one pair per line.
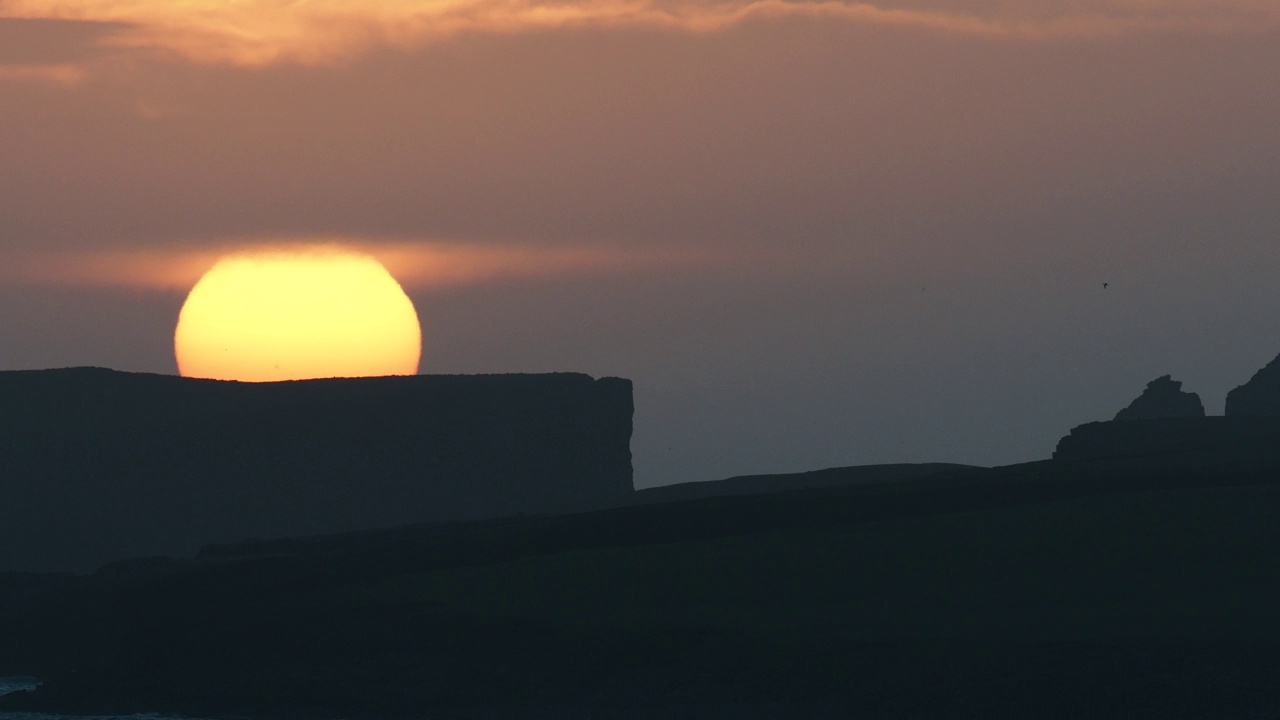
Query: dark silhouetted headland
x,y
1168,426
97,465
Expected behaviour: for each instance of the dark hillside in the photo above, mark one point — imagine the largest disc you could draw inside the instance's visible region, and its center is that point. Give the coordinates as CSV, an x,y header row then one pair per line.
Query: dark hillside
x,y
1048,589
758,484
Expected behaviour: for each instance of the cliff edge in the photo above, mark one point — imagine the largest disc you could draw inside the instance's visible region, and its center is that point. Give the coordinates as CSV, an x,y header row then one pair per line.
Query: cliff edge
x,y
1260,397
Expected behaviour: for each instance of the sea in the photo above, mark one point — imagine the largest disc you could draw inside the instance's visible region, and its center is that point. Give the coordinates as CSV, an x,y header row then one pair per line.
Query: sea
x,y
14,684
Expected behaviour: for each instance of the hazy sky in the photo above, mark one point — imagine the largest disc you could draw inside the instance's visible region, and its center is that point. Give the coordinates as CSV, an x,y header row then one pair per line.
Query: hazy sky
x,y
813,233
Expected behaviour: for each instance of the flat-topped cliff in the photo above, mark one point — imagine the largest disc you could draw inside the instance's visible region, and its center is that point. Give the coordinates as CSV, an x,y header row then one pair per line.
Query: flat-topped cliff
x,y
97,465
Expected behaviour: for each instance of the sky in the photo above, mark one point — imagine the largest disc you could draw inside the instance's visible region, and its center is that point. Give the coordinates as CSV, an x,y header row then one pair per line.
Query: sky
x,y
813,234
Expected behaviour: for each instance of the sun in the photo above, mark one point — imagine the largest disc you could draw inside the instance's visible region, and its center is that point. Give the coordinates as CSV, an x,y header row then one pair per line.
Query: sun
x,y
297,314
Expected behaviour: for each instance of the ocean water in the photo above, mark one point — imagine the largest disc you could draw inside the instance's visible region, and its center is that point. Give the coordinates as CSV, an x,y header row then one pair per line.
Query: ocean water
x,y
14,684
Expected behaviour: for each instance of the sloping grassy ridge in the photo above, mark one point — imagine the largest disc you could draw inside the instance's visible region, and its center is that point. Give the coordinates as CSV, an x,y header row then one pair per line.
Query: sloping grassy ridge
x,y
1040,590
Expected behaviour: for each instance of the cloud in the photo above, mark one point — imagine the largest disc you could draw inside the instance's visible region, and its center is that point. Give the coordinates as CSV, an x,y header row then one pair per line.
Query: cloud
x,y
51,51
421,265
40,41
437,266
262,32
62,74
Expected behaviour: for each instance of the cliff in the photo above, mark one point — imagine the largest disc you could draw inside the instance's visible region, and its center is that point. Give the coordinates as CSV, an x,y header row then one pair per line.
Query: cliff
x,y
1166,426
97,465
1260,397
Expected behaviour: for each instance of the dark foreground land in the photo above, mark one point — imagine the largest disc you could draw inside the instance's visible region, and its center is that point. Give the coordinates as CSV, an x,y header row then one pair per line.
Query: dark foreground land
x,y
1055,589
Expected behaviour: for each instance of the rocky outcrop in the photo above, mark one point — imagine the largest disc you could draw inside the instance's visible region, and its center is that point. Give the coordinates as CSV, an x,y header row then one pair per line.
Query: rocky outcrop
x,y
97,465
1260,397
1163,398
1206,442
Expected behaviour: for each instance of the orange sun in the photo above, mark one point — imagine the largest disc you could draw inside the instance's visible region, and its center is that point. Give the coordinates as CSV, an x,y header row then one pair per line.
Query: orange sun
x,y
291,315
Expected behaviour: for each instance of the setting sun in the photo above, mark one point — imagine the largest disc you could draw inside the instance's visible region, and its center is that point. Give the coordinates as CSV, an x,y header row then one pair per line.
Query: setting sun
x,y
292,315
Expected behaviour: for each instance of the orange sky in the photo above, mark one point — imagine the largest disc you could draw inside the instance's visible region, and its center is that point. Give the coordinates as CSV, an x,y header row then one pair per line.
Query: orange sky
x,y
256,32
814,233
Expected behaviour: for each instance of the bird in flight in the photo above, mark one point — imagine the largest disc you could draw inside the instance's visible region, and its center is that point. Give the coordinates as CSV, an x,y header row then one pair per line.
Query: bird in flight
x,y
1104,285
